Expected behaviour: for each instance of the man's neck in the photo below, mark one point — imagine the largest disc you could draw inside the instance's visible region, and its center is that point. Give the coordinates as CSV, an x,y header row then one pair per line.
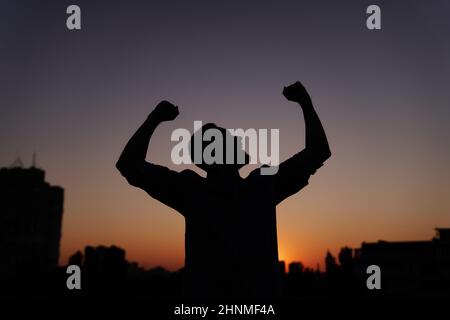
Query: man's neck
x,y
223,175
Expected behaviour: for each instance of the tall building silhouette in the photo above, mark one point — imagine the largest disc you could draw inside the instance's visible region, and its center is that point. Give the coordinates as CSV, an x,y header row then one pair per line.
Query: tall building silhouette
x,y
30,222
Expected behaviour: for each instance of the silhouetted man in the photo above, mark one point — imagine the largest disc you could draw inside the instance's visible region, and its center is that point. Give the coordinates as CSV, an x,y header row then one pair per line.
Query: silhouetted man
x,y
231,234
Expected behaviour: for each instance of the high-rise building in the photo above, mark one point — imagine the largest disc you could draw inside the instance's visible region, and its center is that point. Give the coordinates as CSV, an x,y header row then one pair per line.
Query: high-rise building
x,y
30,222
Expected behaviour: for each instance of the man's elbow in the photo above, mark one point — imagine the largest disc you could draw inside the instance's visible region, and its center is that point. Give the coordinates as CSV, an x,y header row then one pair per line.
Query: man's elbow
x,y
125,169
130,171
326,154
128,175
121,167
321,155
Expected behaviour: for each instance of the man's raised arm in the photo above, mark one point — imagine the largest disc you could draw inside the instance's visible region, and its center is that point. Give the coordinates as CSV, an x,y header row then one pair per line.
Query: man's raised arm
x,y
316,141
293,174
132,164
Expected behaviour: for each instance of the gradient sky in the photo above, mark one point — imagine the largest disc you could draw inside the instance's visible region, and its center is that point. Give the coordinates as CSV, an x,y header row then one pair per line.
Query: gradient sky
x,y
383,96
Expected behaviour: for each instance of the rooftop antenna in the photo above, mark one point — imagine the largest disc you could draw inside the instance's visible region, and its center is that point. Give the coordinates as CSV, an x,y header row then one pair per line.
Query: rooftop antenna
x,y
17,162
33,161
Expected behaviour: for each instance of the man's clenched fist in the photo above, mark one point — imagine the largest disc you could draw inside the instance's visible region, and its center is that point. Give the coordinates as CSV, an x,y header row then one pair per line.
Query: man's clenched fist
x,y
297,93
165,111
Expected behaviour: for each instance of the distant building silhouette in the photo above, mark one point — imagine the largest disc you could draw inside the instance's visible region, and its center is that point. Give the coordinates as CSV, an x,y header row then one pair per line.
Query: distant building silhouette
x,y
282,268
410,265
105,262
30,221
346,260
295,268
105,268
331,267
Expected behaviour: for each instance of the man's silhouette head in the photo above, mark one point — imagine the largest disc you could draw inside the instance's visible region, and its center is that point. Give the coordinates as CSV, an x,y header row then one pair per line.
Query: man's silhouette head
x,y
227,154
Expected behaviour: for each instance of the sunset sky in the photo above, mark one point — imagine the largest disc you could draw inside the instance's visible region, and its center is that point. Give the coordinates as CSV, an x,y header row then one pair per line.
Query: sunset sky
x,y
75,97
